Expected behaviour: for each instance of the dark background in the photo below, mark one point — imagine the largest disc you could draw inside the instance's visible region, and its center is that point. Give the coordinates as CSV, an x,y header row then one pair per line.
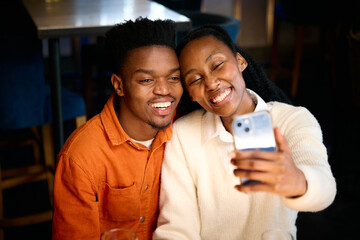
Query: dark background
x,y
329,86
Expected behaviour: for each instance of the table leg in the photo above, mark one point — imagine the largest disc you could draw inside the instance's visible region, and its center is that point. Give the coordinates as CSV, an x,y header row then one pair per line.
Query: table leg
x,y
54,56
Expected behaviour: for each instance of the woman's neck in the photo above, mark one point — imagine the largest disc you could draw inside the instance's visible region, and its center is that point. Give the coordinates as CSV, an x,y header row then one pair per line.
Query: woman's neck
x,y
247,105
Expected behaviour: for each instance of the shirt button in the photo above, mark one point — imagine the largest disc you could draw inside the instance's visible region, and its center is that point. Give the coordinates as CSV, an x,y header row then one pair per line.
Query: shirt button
x,y
146,187
142,219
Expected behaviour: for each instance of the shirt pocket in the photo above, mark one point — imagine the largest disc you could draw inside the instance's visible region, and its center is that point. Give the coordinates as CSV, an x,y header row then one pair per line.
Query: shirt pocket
x,y
119,204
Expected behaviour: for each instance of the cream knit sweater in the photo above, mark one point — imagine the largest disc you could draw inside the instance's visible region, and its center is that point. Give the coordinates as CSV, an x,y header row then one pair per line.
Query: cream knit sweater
x,y
198,199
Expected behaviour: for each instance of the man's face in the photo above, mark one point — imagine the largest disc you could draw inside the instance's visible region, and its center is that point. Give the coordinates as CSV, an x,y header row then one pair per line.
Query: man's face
x,y
151,87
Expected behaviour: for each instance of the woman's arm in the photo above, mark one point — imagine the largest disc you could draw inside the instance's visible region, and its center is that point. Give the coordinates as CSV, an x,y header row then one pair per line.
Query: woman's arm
x,y
298,171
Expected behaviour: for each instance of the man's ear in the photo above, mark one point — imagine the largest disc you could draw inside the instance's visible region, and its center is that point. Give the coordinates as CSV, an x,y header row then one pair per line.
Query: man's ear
x,y
242,63
117,83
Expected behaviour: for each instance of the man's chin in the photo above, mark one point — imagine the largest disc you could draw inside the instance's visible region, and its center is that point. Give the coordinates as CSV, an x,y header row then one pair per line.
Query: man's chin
x,y
161,122
159,126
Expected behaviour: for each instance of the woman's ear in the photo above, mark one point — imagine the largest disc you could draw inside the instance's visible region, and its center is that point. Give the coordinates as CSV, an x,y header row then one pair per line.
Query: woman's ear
x,y
117,83
242,63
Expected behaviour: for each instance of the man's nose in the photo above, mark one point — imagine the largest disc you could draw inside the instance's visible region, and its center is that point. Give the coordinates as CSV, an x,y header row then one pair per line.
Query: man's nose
x,y
162,87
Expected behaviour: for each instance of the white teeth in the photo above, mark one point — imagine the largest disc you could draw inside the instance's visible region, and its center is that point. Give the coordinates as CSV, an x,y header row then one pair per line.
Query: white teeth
x,y
221,96
161,105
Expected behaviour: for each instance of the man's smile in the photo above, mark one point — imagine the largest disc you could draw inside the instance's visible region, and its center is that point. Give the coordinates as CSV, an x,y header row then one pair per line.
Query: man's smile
x,y
161,105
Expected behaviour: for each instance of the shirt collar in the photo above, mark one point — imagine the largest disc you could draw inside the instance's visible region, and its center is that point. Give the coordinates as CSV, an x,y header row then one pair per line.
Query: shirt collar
x,y
261,104
212,125
116,133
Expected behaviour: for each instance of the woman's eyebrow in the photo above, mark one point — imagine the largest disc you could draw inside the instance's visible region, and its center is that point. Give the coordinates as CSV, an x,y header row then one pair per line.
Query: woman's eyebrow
x,y
210,56
206,60
188,72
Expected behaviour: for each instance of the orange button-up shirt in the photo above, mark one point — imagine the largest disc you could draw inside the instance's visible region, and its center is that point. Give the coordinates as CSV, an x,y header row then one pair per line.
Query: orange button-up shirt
x,y
104,180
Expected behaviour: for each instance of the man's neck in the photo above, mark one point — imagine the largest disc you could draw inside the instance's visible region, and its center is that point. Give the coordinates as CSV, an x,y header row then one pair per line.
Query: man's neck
x,y
134,128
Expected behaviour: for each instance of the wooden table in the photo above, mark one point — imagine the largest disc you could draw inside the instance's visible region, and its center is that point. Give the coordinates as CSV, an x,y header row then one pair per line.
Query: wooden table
x,y
56,19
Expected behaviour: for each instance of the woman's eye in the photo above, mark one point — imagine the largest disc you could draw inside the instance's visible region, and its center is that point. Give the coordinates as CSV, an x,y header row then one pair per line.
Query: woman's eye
x,y
217,66
195,81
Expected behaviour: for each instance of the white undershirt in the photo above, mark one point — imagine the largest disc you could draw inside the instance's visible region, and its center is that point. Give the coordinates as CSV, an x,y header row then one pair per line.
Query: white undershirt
x,y
146,143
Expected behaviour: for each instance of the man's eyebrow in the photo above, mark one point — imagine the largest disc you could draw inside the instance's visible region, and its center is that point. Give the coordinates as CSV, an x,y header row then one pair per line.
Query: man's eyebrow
x,y
206,60
174,70
141,70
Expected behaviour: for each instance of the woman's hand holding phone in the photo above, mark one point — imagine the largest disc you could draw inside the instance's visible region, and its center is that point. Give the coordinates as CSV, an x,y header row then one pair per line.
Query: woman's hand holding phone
x,y
275,171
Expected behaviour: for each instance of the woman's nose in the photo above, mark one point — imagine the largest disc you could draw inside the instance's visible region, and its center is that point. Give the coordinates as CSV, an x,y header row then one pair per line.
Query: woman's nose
x,y
212,83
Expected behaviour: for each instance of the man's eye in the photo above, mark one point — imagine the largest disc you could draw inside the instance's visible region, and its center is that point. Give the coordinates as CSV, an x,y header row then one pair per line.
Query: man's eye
x,y
147,80
175,78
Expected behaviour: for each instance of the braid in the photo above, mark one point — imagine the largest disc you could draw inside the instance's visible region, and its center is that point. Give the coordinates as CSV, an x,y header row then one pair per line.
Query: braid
x,y
256,80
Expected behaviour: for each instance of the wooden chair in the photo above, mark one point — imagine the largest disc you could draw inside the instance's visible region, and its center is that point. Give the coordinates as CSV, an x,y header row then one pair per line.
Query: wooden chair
x,y
39,137
300,14
42,169
26,115
295,71
230,24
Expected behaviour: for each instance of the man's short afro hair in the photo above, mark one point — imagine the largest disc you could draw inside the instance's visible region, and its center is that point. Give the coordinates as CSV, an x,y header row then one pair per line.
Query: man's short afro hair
x,y
142,32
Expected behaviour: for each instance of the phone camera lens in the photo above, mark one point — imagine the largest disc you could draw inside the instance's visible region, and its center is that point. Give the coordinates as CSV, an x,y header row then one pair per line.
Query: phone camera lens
x,y
247,129
239,124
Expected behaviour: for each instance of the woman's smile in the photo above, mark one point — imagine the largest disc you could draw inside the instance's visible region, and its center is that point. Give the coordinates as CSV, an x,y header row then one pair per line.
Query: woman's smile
x,y
221,97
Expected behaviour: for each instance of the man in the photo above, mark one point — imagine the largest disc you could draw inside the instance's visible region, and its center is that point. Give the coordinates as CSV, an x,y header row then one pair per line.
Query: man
x,y
108,171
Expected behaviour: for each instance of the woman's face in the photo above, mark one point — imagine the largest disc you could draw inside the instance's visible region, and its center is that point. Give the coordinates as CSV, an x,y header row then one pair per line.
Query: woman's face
x,y
213,76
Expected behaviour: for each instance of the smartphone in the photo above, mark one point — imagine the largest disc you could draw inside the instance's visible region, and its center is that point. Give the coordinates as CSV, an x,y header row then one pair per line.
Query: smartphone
x,y
254,131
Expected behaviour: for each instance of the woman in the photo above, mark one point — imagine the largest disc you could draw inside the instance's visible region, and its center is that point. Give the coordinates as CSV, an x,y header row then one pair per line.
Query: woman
x,y
198,199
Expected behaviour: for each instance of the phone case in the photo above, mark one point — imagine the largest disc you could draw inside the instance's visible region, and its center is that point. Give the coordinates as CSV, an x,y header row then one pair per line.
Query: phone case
x,y
254,131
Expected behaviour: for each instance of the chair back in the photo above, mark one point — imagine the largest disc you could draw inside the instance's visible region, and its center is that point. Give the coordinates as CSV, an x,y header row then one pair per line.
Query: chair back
x,y
22,82
230,24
